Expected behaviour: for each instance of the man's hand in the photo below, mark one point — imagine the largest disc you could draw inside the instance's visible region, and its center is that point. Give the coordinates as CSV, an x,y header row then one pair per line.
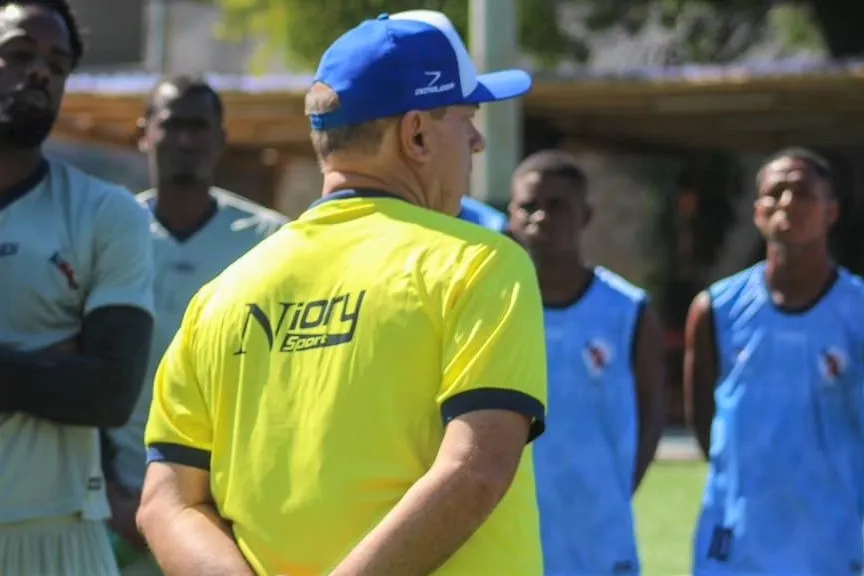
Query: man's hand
x,y
476,463
124,507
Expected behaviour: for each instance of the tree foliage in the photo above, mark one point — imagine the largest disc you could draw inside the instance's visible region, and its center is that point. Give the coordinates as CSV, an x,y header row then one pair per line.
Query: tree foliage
x,y
303,29
704,30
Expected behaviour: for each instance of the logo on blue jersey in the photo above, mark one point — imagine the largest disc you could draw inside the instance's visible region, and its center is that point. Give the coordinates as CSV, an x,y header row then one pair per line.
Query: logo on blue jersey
x,y
303,326
8,249
597,355
66,269
832,364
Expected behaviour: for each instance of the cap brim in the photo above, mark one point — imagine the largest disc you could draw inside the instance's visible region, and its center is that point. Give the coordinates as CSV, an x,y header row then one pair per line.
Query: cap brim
x,y
497,86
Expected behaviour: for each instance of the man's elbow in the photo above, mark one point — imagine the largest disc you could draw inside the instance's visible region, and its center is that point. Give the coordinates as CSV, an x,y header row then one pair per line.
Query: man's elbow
x,y
118,405
486,487
150,513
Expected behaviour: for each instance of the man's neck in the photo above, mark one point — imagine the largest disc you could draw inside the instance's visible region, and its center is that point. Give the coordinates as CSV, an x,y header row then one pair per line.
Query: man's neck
x,y
563,278
335,181
797,277
16,166
182,207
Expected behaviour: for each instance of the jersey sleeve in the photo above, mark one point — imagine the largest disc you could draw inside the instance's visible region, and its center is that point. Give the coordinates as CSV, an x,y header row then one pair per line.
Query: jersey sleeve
x,y
494,344
179,429
123,255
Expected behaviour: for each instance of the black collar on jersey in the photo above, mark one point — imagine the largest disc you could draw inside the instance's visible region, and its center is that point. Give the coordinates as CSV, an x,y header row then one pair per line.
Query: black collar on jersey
x,y
832,280
23,187
185,234
575,299
355,193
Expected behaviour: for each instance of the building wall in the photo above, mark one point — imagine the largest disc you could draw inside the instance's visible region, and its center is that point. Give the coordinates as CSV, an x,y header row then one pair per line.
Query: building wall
x,y
115,39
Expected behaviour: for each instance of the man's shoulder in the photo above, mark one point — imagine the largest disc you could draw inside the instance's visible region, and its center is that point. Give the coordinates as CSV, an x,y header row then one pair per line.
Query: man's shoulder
x,y
93,200
243,207
84,186
619,286
475,211
457,249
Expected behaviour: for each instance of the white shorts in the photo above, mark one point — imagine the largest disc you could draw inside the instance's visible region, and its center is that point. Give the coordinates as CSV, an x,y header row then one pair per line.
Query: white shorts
x,y
66,546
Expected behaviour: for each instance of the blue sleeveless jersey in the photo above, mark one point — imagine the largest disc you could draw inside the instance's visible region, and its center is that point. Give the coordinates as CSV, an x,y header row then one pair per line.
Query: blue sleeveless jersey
x,y
585,462
785,490
475,211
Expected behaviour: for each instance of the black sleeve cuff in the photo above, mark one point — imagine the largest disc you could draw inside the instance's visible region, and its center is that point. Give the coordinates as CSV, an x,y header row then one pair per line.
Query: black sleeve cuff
x,y
497,399
178,454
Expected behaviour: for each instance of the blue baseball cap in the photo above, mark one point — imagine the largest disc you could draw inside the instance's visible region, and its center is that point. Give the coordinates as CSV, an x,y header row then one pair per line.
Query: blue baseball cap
x,y
412,60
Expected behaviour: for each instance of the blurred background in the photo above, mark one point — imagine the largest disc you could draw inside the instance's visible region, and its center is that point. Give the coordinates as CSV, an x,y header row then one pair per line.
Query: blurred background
x,y
670,106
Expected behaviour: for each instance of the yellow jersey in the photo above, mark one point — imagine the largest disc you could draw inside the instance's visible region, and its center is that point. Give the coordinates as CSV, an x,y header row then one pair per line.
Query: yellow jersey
x,y
315,376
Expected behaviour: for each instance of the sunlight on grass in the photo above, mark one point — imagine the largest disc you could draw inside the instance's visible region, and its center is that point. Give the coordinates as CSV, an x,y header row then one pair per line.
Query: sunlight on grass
x,y
666,507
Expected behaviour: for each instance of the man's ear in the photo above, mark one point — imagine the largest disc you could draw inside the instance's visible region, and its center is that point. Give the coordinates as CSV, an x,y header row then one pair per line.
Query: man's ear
x,y
413,133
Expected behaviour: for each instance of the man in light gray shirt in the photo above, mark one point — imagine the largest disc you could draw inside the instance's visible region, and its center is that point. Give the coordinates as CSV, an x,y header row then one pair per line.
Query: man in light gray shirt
x,y
196,231
75,312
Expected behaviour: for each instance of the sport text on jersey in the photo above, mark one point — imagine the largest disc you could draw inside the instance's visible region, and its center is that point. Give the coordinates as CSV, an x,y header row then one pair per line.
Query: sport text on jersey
x,y
303,326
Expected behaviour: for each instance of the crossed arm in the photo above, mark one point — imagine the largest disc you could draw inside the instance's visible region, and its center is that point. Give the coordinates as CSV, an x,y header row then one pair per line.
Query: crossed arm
x,y
93,381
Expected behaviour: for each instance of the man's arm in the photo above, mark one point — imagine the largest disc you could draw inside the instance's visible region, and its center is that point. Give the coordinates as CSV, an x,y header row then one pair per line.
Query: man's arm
x,y
492,398
649,366
123,503
182,527
98,386
475,465
700,370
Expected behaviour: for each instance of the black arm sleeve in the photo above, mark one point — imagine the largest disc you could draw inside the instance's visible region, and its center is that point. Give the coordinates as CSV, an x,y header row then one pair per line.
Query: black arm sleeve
x,y
97,387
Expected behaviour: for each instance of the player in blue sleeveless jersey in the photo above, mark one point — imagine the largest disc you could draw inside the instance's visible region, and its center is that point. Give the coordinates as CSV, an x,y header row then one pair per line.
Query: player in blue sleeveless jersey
x,y
773,382
475,211
76,275
606,379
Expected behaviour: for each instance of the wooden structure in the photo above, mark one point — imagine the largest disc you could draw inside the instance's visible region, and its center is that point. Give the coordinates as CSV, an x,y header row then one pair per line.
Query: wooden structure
x,y
736,110
719,108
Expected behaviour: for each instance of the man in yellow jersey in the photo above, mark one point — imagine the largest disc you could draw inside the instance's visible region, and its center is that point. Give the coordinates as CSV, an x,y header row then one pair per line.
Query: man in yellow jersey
x,y
354,396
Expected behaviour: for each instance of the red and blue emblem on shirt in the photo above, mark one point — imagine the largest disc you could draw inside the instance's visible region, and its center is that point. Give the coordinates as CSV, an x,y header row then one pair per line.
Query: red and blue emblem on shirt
x,y
66,269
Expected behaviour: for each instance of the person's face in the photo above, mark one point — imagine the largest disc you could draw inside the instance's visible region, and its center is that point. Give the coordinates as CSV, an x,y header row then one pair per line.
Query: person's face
x,y
35,61
547,212
795,206
456,140
183,136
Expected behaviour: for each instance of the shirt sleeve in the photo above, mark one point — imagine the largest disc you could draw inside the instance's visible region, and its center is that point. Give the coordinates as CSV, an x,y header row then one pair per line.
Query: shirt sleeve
x,y
494,343
123,255
179,429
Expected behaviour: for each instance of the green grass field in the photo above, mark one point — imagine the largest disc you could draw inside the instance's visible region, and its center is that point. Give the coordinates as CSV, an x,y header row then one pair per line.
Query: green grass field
x,y
666,507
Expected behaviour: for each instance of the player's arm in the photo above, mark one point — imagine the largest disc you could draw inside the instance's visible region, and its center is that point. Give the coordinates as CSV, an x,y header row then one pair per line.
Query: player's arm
x,y
177,515
700,369
95,380
180,522
650,371
492,401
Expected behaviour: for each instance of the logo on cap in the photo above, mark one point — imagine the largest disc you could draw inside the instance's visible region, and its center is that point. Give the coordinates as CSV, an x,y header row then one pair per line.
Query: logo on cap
x,y
433,87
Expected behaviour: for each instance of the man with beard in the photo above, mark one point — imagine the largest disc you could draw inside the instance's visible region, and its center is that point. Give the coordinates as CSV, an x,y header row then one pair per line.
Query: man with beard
x,y
76,277
606,378
772,379
197,231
